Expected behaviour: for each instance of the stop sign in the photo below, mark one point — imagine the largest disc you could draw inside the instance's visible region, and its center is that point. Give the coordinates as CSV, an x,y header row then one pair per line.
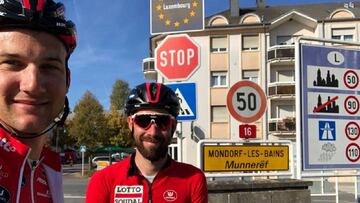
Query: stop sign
x,y
177,57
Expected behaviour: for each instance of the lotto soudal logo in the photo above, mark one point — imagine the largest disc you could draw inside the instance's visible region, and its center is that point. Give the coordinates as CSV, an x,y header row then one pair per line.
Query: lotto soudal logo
x,y
6,145
128,194
170,195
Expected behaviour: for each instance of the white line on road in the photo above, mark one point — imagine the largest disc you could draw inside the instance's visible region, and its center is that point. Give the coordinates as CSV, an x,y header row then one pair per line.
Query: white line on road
x,y
66,196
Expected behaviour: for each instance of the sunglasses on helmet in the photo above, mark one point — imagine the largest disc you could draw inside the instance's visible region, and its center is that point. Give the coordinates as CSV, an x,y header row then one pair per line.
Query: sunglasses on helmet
x,y
163,121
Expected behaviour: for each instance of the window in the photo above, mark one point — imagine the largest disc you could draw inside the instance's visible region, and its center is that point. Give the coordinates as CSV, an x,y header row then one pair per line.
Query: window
x,y
250,42
252,75
283,109
346,34
219,114
218,44
286,75
285,40
282,74
218,79
148,64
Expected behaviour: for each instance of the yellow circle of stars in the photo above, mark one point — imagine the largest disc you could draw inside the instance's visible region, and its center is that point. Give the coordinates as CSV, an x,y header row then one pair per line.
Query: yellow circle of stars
x,y
177,22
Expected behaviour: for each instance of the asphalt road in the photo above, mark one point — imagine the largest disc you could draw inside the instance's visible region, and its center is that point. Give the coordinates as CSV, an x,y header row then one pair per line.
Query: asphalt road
x,y
74,184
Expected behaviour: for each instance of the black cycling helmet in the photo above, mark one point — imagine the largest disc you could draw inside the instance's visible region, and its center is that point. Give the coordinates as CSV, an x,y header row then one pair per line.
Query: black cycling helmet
x,y
152,96
44,15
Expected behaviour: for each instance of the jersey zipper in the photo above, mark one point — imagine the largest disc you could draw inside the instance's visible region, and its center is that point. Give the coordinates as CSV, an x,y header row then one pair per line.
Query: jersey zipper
x,y
33,168
21,176
150,191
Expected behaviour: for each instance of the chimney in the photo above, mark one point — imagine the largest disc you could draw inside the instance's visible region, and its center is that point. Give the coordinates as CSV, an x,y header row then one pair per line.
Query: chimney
x,y
234,8
260,3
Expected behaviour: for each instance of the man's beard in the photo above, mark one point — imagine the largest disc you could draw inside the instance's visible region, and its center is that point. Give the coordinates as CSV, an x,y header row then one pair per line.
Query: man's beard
x,y
155,153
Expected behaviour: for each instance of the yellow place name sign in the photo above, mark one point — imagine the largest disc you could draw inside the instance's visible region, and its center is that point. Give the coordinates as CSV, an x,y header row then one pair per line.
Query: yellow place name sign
x,y
245,158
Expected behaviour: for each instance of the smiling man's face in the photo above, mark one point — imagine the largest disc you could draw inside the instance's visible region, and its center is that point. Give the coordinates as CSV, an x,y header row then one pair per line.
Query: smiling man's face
x,y
33,81
152,140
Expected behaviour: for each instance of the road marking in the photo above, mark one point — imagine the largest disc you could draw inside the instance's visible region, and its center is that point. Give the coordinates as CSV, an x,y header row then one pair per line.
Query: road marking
x,y
68,196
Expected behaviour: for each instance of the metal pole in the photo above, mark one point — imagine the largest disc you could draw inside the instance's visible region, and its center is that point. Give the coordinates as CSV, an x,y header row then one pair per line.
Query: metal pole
x,y
180,148
297,111
337,189
82,163
356,189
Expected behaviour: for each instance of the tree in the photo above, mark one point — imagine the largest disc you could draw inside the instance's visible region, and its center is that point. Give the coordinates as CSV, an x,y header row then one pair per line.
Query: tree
x,y
118,129
60,137
120,91
88,125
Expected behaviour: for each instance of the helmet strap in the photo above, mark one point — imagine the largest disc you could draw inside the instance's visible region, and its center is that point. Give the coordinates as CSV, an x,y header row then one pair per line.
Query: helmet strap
x,y
58,121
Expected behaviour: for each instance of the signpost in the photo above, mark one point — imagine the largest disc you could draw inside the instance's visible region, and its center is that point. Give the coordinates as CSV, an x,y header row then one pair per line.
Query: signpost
x,y
330,107
82,150
177,57
246,101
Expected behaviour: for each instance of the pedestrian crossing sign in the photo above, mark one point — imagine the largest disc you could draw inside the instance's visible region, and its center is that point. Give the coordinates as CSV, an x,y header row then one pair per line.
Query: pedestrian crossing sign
x,y
186,92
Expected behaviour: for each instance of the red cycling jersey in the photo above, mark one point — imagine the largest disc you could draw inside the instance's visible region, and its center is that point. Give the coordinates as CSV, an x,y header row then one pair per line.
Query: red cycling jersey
x,y
123,183
21,181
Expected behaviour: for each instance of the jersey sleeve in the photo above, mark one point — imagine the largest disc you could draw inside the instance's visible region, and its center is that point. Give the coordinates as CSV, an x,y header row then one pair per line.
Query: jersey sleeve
x,y
97,190
199,190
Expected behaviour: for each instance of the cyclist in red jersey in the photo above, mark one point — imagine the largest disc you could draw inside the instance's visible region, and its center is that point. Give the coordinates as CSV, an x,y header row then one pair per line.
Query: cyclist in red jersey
x,y
149,175
35,44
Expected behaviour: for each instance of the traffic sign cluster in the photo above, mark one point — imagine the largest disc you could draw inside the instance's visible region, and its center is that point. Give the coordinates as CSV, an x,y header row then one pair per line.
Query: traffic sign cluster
x,y
330,100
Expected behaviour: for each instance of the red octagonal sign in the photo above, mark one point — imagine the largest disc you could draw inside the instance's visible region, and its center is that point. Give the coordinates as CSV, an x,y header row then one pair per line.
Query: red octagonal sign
x,y
177,57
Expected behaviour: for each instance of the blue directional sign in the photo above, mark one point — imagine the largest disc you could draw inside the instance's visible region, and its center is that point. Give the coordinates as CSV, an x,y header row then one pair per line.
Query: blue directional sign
x,y
82,148
186,93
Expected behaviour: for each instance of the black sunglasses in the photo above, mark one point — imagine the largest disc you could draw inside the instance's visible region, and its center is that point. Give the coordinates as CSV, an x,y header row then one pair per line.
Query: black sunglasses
x,y
163,121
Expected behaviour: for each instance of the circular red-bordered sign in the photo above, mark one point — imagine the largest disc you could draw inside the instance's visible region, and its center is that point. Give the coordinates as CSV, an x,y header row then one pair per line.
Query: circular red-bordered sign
x,y
356,152
347,133
246,101
351,82
351,111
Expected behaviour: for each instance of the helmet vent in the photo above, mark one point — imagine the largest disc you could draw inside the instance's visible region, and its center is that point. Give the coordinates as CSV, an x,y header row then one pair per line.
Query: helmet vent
x,y
153,92
34,5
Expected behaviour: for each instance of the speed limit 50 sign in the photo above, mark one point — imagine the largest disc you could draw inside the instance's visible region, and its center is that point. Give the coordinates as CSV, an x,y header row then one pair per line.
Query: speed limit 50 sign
x,y
246,101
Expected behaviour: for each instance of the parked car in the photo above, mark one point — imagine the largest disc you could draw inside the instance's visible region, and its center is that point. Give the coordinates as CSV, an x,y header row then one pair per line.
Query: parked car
x,y
69,156
109,153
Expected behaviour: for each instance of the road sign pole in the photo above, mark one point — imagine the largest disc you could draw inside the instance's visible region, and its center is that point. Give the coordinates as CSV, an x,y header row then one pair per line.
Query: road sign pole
x,y
297,112
82,163
179,141
179,150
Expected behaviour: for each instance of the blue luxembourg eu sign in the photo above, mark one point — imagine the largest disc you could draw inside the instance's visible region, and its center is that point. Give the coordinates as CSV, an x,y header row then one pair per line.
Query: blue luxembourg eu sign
x,y
176,16
186,92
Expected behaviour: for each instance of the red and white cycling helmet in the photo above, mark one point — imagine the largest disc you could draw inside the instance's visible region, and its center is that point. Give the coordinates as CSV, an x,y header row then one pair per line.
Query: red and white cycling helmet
x,y
44,15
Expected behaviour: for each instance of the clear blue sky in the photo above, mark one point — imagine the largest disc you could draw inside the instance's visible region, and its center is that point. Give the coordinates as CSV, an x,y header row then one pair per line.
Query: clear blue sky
x,y
113,38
